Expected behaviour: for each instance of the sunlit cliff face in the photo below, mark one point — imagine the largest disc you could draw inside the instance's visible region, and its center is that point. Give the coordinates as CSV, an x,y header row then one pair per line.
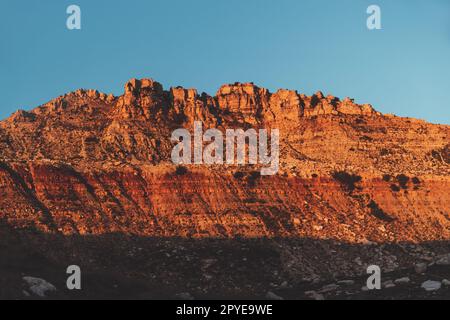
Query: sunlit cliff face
x,y
91,163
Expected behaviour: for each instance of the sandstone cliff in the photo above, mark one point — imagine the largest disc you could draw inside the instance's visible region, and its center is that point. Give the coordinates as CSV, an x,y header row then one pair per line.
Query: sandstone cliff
x,y
91,163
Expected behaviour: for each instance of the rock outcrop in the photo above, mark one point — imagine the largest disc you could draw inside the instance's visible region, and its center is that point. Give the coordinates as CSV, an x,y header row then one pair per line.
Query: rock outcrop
x,y
88,178
92,163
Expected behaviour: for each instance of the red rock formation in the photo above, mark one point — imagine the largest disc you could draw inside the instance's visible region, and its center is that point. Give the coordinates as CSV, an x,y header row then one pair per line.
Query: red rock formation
x,y
91,163
245,101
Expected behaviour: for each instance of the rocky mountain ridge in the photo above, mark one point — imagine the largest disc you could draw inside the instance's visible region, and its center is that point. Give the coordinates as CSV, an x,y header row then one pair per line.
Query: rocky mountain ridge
x,y
91,163
87,178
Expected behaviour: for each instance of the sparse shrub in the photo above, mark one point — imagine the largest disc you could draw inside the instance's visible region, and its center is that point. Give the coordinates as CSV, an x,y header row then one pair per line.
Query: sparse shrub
x,y
181,170
436,155
403,181
446,153
442,155
315,175
384,152
347,179
416,181
387,177
238,175
395,188
253,177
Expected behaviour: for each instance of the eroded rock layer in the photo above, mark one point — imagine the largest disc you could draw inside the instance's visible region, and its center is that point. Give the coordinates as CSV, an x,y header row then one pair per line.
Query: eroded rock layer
x,y
90,163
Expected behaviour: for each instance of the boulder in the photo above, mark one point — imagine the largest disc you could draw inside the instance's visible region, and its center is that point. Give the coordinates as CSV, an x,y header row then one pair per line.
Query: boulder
x,y
39,287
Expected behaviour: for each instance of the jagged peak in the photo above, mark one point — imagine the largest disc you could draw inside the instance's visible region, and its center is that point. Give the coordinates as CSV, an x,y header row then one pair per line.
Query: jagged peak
x,y
248,88
134,86
319,95
92,94
145,92
180,93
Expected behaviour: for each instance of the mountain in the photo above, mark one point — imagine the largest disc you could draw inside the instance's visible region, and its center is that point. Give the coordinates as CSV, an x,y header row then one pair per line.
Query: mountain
x,y
91,163
88,165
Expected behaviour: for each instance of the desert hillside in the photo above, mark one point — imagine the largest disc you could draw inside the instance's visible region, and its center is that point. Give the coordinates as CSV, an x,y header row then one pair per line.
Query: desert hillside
x,y
88,179
90,163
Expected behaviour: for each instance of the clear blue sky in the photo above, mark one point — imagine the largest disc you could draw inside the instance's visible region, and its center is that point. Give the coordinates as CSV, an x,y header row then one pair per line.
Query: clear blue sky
x,y
305,45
